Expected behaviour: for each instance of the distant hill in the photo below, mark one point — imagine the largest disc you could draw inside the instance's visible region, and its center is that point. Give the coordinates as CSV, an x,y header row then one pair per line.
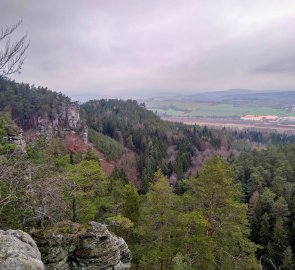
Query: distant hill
x,y
224,104
237,96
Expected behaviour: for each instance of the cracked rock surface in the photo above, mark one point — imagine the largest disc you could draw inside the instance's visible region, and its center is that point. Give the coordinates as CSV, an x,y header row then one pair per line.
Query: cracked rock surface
x,y
71,246
19,251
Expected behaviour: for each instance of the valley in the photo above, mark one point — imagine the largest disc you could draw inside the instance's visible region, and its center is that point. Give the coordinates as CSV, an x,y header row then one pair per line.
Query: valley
x,y
267,111
116,163
121,149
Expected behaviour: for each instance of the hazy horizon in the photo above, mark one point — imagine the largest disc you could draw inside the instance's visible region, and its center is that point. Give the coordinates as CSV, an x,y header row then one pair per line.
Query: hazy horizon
x,y
93,49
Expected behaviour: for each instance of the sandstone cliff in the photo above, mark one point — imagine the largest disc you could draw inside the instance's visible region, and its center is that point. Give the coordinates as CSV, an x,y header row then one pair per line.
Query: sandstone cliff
x,y
66,246
19,251
71,246
67,119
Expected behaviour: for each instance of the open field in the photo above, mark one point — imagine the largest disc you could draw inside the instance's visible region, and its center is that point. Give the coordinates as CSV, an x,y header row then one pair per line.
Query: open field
x,y
225,108
208,109
235,124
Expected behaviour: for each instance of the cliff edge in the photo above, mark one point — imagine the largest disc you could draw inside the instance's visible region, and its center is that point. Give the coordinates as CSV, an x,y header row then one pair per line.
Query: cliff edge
x,y
71,246
64,246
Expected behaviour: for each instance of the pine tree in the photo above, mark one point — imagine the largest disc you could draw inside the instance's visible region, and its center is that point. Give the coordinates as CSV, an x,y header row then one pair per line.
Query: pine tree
x,y
87,182
279,241
131,203
158,225
288,259
218,198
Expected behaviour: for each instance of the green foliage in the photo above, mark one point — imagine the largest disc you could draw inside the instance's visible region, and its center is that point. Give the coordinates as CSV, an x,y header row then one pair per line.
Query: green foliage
x,y
12,199
158,224
90,155
131,203
86,183
121,221
51,152
30,198
25,101
109,147
131,124
179,262
119,174
87,175
205,226
270,173
217,198
5,146
288,259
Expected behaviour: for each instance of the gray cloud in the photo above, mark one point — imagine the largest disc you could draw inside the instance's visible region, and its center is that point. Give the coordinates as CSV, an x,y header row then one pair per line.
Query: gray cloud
x,y
284,65
133,48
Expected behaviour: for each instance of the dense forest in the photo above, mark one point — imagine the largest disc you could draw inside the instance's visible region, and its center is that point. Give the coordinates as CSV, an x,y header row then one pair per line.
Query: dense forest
x,y
25,102
236,211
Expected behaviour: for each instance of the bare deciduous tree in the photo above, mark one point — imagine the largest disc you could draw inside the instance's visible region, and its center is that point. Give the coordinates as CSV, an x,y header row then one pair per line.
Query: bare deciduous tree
x,y
12,52
35,188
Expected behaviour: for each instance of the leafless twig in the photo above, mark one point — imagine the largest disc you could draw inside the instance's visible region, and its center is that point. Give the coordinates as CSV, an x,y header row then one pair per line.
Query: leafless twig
x,y
12,53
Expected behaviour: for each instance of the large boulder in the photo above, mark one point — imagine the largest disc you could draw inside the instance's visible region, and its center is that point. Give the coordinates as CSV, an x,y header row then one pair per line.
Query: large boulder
x,y
69,245
19,251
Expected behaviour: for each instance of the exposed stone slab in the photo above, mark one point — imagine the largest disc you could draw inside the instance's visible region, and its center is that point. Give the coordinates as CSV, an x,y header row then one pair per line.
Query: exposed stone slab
x,y
19,251
71,246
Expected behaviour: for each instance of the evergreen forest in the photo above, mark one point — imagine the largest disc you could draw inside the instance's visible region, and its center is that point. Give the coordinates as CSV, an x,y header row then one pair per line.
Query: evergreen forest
x,y
182,197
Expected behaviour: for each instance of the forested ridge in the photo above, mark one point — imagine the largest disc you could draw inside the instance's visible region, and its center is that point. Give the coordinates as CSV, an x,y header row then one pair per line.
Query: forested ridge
x,y
145,133
25,102
237,212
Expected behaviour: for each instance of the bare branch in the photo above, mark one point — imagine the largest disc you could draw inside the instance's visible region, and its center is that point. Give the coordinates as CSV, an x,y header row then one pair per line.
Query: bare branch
x,y
12,53
5,32
273,265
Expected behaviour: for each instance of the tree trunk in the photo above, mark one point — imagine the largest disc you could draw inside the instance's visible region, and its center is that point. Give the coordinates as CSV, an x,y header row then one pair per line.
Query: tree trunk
x,y
74,210
71,158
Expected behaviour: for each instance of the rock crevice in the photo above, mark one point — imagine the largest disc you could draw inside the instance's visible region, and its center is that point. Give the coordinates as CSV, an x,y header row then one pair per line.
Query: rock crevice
x,y
65,246
69,245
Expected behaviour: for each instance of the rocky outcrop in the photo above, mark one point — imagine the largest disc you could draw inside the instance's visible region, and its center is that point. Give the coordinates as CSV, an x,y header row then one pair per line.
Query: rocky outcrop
x,y
19,251
73,116
66,246
15,136
67,120
18,141
71,246
47,127
84,135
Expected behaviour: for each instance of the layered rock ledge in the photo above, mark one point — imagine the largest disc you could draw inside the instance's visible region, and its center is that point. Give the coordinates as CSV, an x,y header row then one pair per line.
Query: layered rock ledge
x,y
71,246
19,251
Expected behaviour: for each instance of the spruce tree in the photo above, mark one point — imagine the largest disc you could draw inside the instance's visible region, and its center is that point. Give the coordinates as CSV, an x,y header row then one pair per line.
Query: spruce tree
x,y
158,225
218,198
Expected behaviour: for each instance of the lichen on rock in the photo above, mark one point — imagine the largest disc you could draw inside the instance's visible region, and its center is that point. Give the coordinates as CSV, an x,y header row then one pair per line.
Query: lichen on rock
x,y
71,246
19,251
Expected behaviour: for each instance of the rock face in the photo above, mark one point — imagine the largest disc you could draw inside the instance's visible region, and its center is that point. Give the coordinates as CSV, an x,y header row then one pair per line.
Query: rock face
x,y
70,246
19,141
19,251
73,116
67,121
84,135
15,136
47,127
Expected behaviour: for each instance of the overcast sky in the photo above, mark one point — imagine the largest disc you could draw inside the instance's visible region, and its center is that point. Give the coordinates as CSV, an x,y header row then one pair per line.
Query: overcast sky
x,y
134,48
